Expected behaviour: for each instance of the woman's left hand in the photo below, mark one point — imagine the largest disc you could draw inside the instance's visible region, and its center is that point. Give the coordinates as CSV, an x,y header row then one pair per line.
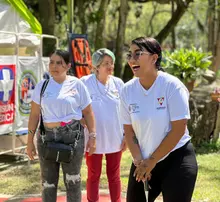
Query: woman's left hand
x,y
91,146
123,145
83,123
144,168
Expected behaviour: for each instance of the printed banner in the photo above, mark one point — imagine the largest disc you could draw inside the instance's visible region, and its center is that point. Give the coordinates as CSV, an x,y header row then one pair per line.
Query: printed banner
x,y
7,94
28,74
17,83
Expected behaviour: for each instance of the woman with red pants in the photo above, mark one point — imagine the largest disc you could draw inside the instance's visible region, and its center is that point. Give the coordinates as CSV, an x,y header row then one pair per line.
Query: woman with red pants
x,y
105,92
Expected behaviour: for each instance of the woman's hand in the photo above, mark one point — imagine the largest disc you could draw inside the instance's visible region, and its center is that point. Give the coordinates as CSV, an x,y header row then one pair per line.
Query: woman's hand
x,y
123,145
91,146
142,172
31,151
83,122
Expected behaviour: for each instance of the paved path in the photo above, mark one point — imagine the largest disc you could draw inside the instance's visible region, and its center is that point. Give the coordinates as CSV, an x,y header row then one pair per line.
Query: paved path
x,y
103,198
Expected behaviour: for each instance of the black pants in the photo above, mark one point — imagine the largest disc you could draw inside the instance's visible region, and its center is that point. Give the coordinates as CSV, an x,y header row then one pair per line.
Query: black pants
x,y
175,177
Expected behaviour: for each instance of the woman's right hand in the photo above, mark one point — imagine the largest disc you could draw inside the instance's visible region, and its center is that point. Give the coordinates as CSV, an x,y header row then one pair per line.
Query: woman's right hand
x,y
31,151
91,146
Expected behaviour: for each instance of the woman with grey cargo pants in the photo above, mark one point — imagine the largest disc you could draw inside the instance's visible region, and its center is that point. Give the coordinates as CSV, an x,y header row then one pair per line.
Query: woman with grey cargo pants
x,y
61,102
71,171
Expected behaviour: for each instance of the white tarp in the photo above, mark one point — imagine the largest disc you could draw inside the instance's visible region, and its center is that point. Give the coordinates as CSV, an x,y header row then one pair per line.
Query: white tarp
x,y
11,21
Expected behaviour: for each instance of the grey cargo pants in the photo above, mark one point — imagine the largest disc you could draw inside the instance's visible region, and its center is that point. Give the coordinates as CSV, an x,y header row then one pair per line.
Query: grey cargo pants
x,y
71,171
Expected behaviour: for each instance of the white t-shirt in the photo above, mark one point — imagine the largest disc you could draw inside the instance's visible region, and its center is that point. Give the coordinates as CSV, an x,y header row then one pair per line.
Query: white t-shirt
x,y
105,105
62,102
151,111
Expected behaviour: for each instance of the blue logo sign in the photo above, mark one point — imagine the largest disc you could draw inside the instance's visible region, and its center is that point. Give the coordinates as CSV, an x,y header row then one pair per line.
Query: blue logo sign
x,y
6,84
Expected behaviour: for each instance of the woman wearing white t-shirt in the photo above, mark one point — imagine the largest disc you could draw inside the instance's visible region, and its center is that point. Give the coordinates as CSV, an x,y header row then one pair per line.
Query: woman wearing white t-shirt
x,y
63,101
105,90
154,111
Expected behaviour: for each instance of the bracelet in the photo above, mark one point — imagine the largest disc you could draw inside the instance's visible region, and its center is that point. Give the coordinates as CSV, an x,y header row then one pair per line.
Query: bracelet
x,y
92,135
137,162
32,132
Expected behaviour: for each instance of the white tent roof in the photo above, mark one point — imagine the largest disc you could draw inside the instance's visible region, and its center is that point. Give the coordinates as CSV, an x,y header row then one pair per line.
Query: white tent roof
x,y
12,23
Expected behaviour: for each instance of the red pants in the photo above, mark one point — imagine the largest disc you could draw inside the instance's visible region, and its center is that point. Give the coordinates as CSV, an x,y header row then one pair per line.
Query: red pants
x,y
94,164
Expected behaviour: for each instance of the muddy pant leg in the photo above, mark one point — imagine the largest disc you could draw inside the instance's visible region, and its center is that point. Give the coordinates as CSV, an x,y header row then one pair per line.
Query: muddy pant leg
x,y
49,177
71,174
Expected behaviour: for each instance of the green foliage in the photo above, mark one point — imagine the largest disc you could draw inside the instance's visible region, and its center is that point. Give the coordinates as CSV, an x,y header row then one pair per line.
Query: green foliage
x,y
188,30
186,64
206,148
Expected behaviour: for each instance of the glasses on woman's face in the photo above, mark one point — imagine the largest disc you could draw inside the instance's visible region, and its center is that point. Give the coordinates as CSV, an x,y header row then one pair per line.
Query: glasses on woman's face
x,y
136,55
107,65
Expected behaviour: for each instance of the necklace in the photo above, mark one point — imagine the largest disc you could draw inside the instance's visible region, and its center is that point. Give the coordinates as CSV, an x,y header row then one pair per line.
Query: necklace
x,y
106,90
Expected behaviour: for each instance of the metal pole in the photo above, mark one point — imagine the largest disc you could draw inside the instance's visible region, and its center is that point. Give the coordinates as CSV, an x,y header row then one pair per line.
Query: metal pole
x,y
70,11
146,189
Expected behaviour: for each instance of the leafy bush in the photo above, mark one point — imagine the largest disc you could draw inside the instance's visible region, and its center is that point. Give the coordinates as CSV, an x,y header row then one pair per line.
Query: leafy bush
x,y
186,64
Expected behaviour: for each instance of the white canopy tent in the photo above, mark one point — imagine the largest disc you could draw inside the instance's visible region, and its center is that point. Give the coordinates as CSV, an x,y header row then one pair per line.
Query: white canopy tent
x,y
21,67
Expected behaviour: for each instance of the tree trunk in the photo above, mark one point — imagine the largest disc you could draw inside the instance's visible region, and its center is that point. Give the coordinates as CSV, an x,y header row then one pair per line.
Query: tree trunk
x,y
100,39
211,24
214,33
47,20
123,13
178,13
81,7
216,62
173,34
128,74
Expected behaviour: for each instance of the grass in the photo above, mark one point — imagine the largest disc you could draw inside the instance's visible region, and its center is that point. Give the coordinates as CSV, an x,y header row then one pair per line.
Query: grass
x,y
208,181
26,180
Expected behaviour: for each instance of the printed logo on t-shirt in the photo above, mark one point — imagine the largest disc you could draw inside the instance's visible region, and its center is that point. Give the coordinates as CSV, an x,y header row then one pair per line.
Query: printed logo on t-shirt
x,y
72,92
160,100
133,108
160,103
95,97
47,94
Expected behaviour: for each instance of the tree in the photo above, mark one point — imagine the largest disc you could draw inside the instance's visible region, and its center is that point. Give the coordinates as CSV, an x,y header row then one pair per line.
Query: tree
x,y
100,30
44,11
216,62
82,5
181,7
213,12
123,12
176,16
47,20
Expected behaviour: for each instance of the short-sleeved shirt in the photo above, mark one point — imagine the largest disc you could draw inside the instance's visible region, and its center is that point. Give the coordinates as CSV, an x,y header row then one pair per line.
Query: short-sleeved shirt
x,y
105,105
151,111
62,102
